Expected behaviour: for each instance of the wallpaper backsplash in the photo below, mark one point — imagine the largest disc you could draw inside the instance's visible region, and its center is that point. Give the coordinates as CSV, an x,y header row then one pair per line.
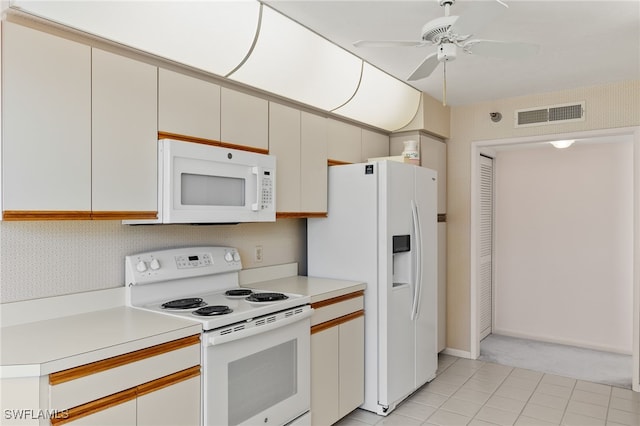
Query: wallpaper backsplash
x,y
52,258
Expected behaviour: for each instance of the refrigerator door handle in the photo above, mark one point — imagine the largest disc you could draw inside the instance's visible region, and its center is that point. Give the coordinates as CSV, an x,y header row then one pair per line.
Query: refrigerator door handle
x,y
417,277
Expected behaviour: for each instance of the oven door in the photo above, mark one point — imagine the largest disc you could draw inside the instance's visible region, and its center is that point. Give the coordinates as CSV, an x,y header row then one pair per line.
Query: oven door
x,y
208,184
259,376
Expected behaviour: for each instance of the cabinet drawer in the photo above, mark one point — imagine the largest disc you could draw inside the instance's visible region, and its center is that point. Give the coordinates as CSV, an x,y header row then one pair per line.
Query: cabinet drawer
x,y
89,382
337,307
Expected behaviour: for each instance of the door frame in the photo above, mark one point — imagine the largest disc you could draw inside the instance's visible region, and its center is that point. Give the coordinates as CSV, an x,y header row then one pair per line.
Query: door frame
x,y
489,147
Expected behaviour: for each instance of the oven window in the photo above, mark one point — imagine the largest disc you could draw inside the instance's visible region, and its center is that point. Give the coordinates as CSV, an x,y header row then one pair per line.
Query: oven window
x,y
261,380
206,190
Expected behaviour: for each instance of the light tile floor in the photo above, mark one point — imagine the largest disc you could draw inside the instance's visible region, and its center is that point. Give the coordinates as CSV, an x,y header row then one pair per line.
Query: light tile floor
x,y
476,393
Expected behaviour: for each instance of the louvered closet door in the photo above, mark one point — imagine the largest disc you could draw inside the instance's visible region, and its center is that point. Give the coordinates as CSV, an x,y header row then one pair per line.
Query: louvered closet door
x,y
486,244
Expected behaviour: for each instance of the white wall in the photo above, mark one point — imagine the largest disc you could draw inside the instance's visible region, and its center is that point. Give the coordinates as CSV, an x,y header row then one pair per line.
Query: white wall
x,y
609,106
564,244
52,258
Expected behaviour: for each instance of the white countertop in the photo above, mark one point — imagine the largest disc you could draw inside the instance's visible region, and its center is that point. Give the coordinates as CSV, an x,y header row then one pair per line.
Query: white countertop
x,y
316,288
42,347
35,341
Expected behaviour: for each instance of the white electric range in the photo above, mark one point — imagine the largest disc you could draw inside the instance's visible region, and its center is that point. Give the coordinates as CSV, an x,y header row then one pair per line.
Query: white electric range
x,y
255,343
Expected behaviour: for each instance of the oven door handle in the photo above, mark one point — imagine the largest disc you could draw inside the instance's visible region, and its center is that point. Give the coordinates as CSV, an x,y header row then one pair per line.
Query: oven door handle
x,y
241,334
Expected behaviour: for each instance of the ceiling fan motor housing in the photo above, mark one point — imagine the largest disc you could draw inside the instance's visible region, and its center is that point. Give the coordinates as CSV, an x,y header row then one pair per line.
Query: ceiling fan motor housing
x,y
435,29
446,52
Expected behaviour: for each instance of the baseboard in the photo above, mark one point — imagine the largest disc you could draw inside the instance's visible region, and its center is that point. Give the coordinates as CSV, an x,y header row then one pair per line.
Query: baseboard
x,y
549,339
458,353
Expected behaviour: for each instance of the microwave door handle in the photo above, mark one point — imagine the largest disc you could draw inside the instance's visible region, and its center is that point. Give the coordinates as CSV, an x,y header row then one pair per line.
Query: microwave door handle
x,y
258,172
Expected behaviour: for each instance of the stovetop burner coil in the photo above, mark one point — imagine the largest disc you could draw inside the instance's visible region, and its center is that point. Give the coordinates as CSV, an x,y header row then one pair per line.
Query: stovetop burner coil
x,y
267,297
213,310
188,303
238,292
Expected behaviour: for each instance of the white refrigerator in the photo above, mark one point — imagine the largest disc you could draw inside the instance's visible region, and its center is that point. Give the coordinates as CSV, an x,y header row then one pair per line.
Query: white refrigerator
x,y
382,229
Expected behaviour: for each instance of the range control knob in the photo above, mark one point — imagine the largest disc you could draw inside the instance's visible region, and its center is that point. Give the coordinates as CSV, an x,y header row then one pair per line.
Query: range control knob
x,y
236,256
154,264
228,256
141,266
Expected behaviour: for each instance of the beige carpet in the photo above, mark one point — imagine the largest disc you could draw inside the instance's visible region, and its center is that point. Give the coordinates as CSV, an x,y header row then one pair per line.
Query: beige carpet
x,y
569,361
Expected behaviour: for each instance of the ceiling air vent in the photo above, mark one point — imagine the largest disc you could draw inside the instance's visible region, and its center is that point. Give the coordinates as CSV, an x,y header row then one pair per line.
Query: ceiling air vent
x,y
550,114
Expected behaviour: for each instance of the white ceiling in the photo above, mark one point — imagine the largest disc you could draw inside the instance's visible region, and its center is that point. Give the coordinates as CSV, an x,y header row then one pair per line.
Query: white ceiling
x,y
582,43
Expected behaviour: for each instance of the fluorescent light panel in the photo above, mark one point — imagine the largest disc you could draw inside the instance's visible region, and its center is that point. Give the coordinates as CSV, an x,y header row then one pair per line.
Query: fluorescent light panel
x,y
214,36
294,62
288,59
382,100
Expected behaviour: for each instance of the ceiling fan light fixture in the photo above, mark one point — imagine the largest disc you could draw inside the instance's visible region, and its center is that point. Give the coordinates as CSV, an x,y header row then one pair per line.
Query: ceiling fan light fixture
x,y
447,52
562,143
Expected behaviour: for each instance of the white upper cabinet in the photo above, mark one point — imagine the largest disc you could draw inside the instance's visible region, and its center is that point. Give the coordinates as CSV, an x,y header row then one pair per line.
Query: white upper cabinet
x,y
284,143
46,122
374,144
244,120
299,141
433,155
188,106
313,163
344,142
124,134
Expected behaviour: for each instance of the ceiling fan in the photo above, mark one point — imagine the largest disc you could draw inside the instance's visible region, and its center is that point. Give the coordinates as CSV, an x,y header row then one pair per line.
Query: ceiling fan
x,y
450,32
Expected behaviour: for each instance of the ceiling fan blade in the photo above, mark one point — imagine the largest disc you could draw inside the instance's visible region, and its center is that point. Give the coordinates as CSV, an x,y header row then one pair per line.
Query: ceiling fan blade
x,y
501,49
477,16
388,43
425,68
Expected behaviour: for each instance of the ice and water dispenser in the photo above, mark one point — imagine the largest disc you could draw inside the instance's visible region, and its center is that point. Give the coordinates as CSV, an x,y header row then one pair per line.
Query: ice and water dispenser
x,y
401,260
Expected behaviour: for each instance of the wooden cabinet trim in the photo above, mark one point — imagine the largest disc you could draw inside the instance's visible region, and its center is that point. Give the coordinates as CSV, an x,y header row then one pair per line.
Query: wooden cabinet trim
x,y
337,299
23,215
336,321
94,407
299,215
187,138
331,162
122,215
169,380
45,215
124,396
195,139
117,361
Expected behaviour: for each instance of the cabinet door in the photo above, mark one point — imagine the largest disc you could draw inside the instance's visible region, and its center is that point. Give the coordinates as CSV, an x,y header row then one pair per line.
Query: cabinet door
x,y
313,163
351,366
124,129
188,106
374,145
433,155
46,107
344,142
324,377
284,143
244,120
177,404
123,414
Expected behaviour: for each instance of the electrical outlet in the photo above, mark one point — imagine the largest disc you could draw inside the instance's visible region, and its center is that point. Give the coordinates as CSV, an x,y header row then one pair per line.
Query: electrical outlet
x,y
258,254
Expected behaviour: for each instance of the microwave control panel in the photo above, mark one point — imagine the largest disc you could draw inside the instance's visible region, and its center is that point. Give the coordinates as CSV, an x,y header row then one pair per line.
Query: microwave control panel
x,y
266,195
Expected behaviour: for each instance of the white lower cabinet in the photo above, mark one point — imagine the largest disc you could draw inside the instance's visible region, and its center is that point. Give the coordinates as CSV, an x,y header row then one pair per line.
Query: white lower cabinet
x,y
178,404
121,414
337,358
156,386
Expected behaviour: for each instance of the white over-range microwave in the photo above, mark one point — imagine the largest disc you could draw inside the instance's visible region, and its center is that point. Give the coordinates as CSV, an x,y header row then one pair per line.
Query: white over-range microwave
x,y
200,183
